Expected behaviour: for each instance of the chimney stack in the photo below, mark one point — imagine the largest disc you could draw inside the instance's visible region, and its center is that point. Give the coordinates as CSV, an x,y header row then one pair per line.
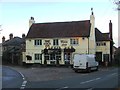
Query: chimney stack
x,y
10,36
23,35
31,21
3,39
110,30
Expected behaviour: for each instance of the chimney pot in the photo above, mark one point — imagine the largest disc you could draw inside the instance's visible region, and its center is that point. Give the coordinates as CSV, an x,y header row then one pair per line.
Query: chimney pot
x,y
11,36
23,35
3,39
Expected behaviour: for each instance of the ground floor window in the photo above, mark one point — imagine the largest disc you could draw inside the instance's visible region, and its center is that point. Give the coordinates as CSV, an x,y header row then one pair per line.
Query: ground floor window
x,y
52,54
38,56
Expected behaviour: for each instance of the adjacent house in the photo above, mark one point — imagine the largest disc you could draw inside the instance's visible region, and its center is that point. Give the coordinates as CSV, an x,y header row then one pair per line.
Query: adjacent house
x,y
0,53
12,49
57,42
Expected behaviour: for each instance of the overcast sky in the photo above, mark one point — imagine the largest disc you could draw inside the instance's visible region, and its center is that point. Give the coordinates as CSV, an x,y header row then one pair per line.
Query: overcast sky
x,y
15,14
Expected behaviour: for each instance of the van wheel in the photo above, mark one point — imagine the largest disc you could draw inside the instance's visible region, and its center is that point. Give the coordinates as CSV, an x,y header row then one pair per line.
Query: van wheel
x,y
89,70
76,71
97,68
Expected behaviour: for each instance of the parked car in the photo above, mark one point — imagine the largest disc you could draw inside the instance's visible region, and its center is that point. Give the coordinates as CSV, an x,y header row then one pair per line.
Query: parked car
x,y
84,62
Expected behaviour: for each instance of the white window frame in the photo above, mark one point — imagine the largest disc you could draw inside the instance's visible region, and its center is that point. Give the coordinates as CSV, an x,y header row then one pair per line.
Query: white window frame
x,y
74,41
55,42
37,42
39,56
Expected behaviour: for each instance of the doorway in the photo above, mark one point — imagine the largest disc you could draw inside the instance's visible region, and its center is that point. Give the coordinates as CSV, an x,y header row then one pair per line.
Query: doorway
x,y
67,57
99,57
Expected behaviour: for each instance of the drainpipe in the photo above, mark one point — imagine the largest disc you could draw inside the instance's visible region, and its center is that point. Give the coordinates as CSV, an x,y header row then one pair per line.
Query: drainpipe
x,y
88,45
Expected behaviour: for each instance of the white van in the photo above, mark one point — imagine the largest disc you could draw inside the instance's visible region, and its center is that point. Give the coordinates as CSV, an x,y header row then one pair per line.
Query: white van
x,y
84,62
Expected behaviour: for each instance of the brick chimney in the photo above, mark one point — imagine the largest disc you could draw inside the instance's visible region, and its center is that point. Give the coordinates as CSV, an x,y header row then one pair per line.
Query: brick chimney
x,y
110,30
10,36
3,39
111,42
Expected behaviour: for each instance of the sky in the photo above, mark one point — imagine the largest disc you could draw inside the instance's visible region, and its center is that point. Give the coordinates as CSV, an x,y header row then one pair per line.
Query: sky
x,y
15,14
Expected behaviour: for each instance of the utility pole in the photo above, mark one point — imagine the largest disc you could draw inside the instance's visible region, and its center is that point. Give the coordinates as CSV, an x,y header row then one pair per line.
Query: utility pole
x,y
119,24
117,2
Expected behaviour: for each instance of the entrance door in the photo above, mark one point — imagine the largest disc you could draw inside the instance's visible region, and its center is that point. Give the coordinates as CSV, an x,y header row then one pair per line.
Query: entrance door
x,y
99,57
67,57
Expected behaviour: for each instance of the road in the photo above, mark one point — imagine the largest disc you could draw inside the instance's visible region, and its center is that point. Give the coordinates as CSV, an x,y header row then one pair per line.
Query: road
x,y
104,78
11,78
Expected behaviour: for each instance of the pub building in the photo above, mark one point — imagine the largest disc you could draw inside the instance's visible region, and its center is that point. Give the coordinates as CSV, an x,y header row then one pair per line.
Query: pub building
x,y
56,42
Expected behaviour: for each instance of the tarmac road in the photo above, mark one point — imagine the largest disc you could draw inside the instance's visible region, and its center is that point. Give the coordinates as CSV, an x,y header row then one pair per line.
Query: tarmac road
x,y
57,78
11,78
105,78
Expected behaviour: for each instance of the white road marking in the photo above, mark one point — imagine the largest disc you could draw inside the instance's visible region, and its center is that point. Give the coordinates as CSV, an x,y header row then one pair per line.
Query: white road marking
x,y
22,75
89,89
23,84
65,87
90,80
113,74
22,87
62,88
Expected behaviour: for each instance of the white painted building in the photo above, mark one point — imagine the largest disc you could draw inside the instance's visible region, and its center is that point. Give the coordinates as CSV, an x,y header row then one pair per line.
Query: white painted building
x,y
57,42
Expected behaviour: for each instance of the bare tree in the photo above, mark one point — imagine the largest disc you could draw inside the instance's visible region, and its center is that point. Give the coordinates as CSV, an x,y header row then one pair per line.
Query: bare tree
x,y
117,2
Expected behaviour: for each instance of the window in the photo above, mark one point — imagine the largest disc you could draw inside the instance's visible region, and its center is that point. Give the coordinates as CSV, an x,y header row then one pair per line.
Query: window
x,y
38,42
38,56
55,42
101,44
74,41
104,44
52,56
97,44
46,56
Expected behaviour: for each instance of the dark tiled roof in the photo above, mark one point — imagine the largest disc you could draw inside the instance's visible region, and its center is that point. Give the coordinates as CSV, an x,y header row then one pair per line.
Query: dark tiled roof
x,y
60,29
101,36
16,41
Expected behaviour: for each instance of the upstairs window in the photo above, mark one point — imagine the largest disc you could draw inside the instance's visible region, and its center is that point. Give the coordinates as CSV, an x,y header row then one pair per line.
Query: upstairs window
x,y
74,41
101,44
104,44
38,42
55,42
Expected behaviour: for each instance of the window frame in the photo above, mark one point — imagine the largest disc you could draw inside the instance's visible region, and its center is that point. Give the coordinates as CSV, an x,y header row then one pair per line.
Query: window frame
x,y
39,56
37,42
74,41
55,42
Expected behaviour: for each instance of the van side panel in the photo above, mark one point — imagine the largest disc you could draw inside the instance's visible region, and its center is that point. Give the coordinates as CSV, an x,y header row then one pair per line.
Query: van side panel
x,y
80,61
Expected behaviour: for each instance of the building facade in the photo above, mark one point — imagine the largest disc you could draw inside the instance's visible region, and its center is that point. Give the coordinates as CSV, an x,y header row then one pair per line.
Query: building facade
x,y
12,49
57,42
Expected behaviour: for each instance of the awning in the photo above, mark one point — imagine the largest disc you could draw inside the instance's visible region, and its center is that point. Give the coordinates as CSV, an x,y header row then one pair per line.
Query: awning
x,y
69,49
52,50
